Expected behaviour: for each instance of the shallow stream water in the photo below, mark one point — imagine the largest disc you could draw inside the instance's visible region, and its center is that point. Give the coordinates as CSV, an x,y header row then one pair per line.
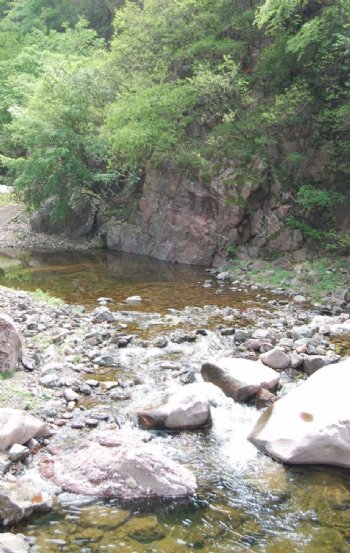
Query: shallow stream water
x,y
246,502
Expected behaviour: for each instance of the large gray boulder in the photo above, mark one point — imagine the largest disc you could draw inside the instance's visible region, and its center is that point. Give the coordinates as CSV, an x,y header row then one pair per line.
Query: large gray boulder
x,y
120,466
10,345
17,427
311,424
185,410
238,378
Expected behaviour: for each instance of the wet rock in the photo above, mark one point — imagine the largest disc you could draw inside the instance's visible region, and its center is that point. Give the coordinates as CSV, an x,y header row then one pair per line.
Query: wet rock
x,y
275,358
17,426
264,398
310,424
14,543
239,378
10,345
103,467
186,409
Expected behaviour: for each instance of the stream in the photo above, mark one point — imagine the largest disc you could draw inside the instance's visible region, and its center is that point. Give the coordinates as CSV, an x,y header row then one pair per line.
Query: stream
x,y
246,502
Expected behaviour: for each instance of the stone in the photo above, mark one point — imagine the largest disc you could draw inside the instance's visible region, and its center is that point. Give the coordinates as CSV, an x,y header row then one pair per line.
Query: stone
x,y
184,410
302,331
239,378
312,363
299,298
17,426
287,240
18,452
275,358
21,498
133,299
70,395
14,543
50,380
224,275
102,314
103,467
10,345
311,424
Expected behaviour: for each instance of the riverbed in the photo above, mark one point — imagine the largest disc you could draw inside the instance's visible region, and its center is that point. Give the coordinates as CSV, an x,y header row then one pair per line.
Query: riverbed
x,y
246,502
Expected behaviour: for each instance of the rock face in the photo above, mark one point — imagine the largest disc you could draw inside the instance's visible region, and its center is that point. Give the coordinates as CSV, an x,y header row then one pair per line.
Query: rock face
x,y
79,221
10,345
187,409
116,465
238,378
17,427
196,221
311,424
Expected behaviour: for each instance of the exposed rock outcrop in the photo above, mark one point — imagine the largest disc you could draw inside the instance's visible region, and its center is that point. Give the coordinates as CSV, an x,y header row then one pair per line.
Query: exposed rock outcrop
x,y
311,424
198,221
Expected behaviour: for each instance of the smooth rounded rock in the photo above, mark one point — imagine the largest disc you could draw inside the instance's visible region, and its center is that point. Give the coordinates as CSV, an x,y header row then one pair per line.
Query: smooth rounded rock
x,y
311,424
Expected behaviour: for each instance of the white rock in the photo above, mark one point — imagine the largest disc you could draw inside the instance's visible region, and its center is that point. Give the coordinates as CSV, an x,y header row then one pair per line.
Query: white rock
x,y
133,299
275,358
311,424
187,408
17,426
239,378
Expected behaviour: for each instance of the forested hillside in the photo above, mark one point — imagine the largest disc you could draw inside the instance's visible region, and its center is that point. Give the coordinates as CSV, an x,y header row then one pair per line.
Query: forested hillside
x,y
94,92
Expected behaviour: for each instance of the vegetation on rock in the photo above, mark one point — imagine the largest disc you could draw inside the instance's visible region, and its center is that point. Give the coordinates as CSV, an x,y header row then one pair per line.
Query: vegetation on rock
x,y
86,104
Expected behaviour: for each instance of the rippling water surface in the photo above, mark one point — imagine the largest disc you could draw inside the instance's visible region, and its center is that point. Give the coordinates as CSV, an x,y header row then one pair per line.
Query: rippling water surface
x,y
246,502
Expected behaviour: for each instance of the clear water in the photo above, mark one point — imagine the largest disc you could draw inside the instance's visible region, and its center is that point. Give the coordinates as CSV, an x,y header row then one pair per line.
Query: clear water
x,y
246,502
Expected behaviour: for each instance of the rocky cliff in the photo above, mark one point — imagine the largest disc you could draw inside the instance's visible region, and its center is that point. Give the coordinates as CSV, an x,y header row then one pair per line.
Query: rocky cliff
x,y
203,221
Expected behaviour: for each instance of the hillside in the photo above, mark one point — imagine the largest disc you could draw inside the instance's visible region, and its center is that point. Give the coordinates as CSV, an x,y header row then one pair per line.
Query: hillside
x,y
190,130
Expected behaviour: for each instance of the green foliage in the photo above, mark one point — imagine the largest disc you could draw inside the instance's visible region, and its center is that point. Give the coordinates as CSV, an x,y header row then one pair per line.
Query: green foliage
x,y
189,83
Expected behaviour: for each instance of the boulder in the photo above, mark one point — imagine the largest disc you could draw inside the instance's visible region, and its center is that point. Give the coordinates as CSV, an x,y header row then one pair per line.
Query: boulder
x,y
121,466
275,358
10,345
239,378
17,427
312,363
20,499
186,409
311,424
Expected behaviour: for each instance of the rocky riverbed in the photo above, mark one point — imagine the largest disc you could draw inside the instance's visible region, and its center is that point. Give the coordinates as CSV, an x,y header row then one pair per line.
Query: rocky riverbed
x,y
112,391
